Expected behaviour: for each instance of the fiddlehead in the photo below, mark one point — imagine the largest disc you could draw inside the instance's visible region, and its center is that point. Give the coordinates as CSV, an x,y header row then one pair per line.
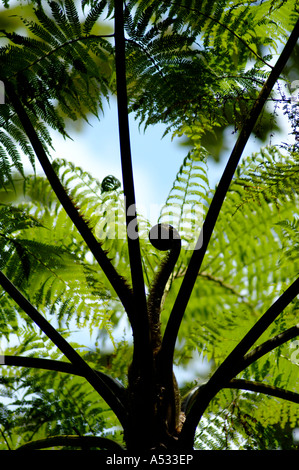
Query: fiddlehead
x,y
163,237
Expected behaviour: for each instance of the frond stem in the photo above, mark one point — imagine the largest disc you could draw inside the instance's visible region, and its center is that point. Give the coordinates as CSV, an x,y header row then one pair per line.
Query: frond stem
x,y
117,282
6,441
198,254
73,441
71,354
142,366
57,366
263,388
232,364
140,324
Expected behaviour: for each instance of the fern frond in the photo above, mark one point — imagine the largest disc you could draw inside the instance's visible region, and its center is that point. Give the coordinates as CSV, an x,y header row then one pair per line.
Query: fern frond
x,y
217,34
73,17
49,408
187,201
93,16
64,278
253,239
57,73
271,175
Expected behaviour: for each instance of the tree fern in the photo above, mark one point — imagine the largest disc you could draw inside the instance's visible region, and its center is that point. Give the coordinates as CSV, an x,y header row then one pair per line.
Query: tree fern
x,y
240,298
219,285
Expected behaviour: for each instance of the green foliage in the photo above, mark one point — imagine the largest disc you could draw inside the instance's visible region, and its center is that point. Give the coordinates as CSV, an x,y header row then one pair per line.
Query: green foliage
x,y
251,248
242,270
187,202
48,403
179,71
43,254
180,57
60,70
238,426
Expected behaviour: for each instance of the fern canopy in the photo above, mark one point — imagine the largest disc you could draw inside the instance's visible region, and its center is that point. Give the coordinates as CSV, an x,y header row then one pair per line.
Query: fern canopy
x,y
179,57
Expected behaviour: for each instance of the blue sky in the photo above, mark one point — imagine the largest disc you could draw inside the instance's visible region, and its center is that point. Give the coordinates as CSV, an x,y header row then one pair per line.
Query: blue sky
x,y
156,160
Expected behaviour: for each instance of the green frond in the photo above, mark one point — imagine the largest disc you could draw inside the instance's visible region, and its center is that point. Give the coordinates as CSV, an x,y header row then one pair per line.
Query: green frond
x,y
40,247
48,23
73,17
291,231
5,168
205,38
60,73
180,56
212,434
187,201
66,18
93,15
271,176
43,397
248,261
18,136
